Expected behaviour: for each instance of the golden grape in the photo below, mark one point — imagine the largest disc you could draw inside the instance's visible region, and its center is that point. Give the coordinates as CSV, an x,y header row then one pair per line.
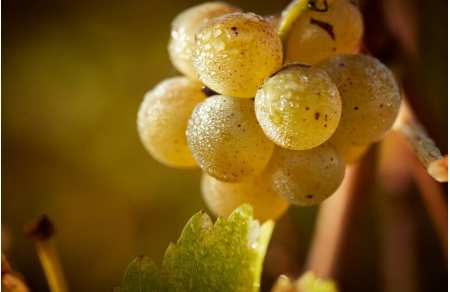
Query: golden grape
x,y
317,35
236,52
222,197
370,98
184,28
350,153
298,108
226,140
306,177
163,117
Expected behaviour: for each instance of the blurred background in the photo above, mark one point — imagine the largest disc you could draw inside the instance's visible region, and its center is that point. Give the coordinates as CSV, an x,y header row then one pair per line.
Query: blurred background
x,y
73,75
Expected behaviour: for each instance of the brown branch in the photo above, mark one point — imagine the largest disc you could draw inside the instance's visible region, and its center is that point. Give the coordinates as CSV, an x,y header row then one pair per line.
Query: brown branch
x,y
334,217
433,197
398,233
396,178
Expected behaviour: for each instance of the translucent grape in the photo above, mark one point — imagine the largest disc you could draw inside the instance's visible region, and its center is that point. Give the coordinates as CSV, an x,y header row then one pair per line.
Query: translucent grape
x,y
184,28
350,153
163,117
306,177
236,52
298,108
226,140
319,34
222,197
370,98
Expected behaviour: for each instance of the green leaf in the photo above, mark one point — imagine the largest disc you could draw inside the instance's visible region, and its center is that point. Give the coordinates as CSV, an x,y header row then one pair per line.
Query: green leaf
x,y
142,275
225,257
310,283
307,283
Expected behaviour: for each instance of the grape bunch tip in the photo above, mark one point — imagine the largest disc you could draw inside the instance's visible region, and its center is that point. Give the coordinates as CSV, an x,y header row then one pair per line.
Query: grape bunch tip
x,y
271,109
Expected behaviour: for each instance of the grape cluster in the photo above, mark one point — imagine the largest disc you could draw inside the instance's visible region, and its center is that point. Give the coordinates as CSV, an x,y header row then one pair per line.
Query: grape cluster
x,y
269,121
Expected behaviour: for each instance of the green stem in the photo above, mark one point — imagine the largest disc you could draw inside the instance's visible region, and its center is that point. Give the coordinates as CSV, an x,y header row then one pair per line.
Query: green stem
x,y
289,16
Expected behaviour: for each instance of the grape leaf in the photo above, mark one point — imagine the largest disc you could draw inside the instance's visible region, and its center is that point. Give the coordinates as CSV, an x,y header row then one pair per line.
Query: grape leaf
x,y
306,283
226,256
142,275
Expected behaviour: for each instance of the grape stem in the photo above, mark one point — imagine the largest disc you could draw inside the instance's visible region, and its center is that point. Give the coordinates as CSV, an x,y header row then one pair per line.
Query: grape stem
x,y
335,217
289,16
424,147
42,232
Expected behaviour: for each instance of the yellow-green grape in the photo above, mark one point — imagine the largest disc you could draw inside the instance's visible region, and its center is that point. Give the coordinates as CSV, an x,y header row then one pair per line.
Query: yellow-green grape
x,y
222,197
326,29
306,177
236,52
370,98
299,107
226,140
163,117
184,28
350,153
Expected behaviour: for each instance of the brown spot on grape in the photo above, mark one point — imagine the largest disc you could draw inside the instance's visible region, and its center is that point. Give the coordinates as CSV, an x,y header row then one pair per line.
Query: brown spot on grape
x,y
328,28
317,116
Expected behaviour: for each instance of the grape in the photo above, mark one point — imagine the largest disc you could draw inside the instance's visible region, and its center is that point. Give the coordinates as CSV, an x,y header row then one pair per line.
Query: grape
x,y
274,20
306,177
350,153
317,35
163,117
184,27
298,108
226,140
236,52
222,197
370,98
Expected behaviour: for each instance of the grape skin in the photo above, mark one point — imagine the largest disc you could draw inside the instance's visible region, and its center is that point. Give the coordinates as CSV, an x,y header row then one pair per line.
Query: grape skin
x,y
350,153
236,52
298,108
310,41
274,20
184,28
222,197
162,120
306,177
370,98
226,140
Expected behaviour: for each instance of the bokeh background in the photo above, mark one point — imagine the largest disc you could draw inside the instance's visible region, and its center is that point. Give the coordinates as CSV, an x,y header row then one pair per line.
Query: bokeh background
x,y
73,75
